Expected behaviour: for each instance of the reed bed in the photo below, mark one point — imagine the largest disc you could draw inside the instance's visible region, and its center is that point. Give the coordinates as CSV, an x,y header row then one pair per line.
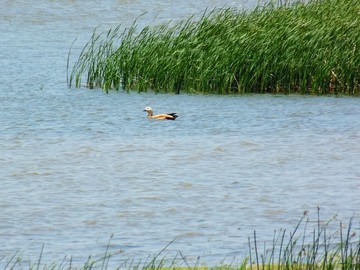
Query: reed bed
x,y
312,245
298,47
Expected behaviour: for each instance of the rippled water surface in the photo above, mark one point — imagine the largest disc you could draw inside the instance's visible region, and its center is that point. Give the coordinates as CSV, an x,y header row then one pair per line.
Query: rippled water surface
x,y
78,166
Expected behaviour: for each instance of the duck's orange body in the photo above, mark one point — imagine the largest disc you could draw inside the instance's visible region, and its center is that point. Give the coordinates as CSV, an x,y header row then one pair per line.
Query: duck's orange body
x,y
163,116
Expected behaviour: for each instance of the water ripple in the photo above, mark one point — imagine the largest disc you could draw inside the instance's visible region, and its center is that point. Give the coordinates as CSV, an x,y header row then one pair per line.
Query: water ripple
x,y
78,166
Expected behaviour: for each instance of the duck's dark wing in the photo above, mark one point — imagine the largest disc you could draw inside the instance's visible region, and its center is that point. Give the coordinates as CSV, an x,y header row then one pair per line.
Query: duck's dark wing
x,y
173,116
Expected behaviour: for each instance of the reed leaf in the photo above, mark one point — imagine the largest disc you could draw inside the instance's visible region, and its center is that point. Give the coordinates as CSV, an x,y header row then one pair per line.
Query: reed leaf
x,y
281,47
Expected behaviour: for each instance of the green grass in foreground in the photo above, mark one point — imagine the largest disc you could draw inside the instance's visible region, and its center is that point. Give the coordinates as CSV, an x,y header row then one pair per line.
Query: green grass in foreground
x,y
311,48
311,245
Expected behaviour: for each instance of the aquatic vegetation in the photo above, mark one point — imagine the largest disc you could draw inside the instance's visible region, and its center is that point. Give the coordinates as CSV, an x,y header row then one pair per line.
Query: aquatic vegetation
x,y
310,245
308,47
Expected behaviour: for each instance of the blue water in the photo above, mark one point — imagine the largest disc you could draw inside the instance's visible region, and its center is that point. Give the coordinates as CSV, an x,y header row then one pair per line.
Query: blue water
x,y
78,166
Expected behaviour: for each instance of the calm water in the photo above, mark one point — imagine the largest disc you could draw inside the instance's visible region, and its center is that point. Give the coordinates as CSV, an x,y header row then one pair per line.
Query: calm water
x,y
77,166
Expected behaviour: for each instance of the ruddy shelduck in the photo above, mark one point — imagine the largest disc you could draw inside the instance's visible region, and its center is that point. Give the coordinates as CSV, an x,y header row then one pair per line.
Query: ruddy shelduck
x,y
163,116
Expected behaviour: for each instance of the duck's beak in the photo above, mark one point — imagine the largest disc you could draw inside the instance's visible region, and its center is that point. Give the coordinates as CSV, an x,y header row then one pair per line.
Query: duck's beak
x,y
144,110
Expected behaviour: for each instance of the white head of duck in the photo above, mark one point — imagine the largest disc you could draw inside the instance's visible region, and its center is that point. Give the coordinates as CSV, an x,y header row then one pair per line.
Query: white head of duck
x,y
163,116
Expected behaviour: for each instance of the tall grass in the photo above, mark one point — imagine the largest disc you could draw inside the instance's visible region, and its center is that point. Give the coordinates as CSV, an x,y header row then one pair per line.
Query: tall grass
x,y
307,48
310,245
317,248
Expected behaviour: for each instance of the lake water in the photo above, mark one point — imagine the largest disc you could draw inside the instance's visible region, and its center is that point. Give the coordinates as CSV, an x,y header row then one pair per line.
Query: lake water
x,y
79,165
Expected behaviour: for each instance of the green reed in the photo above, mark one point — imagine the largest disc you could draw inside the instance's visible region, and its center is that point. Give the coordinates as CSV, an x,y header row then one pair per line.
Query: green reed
x,y
314,249
307,48
315,245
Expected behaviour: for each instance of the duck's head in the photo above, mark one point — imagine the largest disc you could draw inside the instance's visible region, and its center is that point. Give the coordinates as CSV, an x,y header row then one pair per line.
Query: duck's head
x,y
148,109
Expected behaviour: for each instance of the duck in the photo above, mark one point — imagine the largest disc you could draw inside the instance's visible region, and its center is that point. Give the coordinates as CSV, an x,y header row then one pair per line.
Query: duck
x,y
163,116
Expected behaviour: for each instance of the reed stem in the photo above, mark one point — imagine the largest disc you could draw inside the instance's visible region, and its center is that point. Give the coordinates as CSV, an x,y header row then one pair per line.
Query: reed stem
x,y
310,47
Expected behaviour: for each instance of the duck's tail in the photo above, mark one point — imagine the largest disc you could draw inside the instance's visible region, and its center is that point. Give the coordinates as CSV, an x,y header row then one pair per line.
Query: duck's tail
x,y
174,116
